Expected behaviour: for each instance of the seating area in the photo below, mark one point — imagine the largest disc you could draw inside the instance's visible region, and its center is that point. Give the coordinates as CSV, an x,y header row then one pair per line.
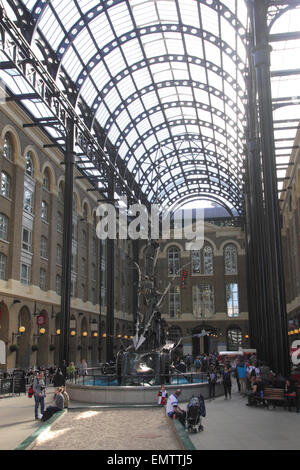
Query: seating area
x,y
277,397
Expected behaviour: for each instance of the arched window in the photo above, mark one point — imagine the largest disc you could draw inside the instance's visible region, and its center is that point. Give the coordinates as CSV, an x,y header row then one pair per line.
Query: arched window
x,y
174,302
231,260
234,339
3,262
3,227
29,165
46,180
8,148
208,259
173,260
5,189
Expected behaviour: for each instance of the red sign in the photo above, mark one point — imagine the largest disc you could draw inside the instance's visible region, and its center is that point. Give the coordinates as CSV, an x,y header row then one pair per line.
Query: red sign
x,y
41,320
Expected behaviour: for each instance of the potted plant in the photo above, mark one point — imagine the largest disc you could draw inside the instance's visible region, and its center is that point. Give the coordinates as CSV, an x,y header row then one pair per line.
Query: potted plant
x,y
34,348
52,347
13,348
79,347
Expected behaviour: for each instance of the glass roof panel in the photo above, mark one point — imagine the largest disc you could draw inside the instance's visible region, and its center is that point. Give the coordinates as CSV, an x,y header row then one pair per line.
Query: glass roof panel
x,y
151,72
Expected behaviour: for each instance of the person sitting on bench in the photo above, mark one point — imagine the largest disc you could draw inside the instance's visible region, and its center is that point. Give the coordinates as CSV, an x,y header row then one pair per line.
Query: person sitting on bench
x,y
257,391
290,393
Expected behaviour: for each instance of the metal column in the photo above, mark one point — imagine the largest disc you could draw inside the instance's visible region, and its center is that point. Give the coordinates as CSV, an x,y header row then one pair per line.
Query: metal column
x,y
276,332
110,282
67,245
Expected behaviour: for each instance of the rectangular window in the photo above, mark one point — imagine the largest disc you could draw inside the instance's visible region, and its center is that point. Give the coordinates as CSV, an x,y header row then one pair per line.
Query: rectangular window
x,y
42,279
196,262
5,188
44,248
28,201
174,302
203,301
3,260
27,240
58,285
3,227
59,255
232,300
44,213
25,274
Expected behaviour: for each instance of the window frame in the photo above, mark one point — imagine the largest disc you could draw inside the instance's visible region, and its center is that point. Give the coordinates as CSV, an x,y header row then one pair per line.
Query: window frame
x,y
7,186
3,267
4,226
27,244
233,295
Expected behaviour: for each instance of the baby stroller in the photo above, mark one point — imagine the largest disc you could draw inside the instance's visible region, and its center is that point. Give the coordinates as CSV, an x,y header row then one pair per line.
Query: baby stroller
x,y
195,412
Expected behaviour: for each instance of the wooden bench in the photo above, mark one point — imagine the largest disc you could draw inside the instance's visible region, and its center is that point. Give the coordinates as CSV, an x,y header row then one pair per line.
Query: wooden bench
x,y
277,395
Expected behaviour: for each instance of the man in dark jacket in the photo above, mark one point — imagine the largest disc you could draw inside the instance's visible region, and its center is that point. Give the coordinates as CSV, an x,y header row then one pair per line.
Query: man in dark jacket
x,y
58,379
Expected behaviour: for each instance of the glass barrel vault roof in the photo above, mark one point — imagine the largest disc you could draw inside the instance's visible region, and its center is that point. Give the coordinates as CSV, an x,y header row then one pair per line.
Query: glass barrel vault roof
x,y
165,79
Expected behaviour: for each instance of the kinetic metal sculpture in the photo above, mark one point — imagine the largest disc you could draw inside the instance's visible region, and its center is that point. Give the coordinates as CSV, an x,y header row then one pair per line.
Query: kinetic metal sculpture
x,y
147,360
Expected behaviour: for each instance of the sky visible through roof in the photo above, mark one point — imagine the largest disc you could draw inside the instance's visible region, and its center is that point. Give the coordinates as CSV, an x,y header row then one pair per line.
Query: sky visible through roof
x,y
165,79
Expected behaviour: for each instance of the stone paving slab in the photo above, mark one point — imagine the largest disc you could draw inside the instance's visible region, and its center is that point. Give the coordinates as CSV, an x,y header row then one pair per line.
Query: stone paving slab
x,y
110,429
231,425
17,419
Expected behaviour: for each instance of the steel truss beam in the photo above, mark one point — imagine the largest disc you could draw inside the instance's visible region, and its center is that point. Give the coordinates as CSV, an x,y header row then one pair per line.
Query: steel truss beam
x,y
207,65
19,52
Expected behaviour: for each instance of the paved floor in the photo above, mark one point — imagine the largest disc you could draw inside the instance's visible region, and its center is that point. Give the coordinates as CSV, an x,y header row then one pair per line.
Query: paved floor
x,y
231,425
17,421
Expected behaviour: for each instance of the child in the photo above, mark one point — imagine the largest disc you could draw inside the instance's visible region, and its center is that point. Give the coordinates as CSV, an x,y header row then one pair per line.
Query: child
x,y
162,396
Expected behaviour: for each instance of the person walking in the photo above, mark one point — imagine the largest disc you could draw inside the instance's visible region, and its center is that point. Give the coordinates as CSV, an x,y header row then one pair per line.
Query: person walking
x,y
188,362
212,380
197,364
242,375
71,371
226,379
39,390
83,368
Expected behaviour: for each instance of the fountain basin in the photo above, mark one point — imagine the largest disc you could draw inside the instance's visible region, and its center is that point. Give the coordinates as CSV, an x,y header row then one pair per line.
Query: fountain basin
x,y
131,395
